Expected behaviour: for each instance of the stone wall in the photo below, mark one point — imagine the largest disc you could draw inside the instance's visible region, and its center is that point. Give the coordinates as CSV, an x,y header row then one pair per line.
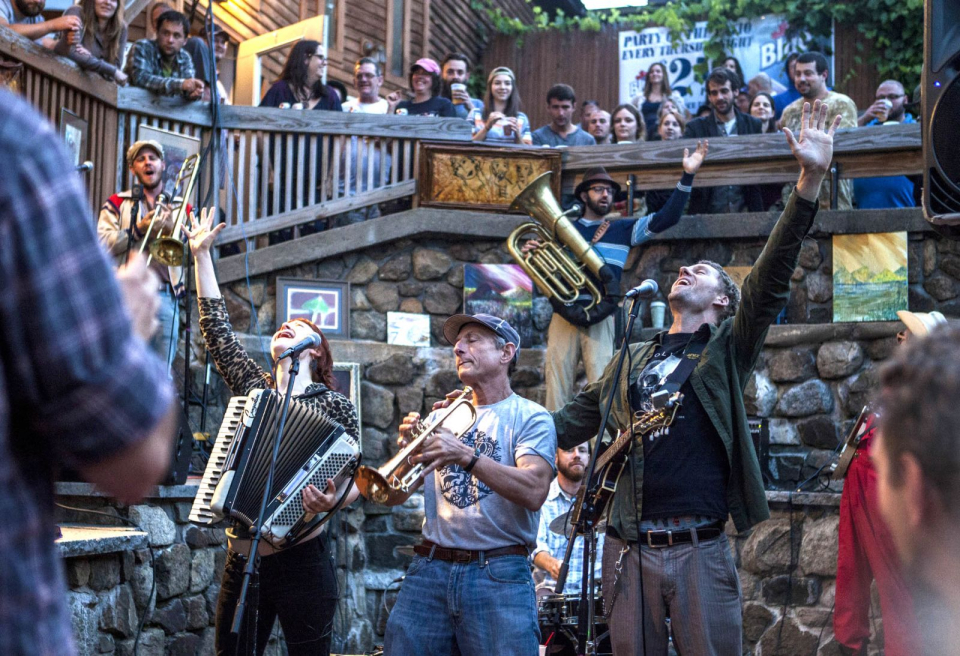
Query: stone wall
x,y
110,593
810,383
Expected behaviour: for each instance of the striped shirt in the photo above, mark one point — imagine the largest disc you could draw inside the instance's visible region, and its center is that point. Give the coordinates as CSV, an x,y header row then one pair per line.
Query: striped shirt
x,y
559,502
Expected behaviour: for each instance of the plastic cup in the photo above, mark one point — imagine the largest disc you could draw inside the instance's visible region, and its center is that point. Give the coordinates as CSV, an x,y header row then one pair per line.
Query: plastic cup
x,y
456,86
882,118
658,311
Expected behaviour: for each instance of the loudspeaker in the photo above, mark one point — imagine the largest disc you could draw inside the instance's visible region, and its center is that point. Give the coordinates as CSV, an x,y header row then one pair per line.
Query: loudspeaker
x,y
940,101
182,452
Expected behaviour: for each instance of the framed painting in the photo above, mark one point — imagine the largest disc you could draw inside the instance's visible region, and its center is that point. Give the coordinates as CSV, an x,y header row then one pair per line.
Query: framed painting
x,y
347,375
408,329
73,131
176,148
503,290
324,302
474,178
869,276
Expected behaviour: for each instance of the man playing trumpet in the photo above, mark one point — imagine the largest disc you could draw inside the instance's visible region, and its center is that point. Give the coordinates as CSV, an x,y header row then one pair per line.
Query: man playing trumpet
x,y
124,224
469,588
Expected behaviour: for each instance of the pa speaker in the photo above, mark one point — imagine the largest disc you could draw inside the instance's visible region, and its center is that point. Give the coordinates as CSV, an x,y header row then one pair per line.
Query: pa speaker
x,y
941,112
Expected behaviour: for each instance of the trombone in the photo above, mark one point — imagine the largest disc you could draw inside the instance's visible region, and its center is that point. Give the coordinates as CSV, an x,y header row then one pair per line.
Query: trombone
x,y
168,249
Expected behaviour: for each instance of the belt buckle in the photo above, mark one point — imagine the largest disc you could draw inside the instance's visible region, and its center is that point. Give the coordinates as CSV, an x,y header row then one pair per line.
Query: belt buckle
x,y
462,556
659,546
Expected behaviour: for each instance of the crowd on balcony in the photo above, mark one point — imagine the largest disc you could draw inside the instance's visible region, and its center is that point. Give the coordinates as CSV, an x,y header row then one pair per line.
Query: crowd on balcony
x,y
172,62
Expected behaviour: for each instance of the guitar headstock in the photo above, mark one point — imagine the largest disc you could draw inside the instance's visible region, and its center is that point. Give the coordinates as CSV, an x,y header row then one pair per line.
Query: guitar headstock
x,y
660,417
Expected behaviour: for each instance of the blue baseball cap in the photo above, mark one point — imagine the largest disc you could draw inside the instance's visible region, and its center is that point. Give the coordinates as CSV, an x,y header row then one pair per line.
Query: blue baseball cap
x,y
452,326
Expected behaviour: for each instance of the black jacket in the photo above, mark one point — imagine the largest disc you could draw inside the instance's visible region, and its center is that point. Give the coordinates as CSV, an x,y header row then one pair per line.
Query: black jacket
x,y
705,127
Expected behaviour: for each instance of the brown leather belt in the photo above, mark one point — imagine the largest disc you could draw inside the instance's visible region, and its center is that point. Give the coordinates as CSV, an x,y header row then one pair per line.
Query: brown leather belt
x,y
431,550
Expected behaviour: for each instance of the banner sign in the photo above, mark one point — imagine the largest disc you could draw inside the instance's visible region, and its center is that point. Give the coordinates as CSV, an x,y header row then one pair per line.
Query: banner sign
x,y
759,44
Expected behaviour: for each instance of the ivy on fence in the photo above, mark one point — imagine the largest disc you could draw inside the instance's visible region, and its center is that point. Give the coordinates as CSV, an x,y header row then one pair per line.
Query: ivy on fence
x,y
894,28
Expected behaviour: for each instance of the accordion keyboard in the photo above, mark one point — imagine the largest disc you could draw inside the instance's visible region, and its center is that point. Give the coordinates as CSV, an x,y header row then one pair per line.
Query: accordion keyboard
x,y
200,513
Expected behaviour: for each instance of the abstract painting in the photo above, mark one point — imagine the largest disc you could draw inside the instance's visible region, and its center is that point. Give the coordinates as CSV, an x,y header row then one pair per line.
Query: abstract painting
x,y
325,303
503,290
869,276
408,329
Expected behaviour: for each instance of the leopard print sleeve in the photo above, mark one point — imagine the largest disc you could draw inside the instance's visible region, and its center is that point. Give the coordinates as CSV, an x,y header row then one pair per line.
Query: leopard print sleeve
x,y
339,408
238,369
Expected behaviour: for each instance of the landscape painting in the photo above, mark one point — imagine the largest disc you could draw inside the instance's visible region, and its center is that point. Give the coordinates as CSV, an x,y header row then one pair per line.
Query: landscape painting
x,y
869,276
503,290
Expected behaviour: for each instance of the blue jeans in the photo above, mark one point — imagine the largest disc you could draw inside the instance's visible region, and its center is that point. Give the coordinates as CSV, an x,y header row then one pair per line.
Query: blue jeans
x,y
452,609
164,342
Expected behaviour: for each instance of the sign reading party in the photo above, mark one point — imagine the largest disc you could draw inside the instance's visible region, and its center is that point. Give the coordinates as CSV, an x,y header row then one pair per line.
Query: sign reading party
x,y
759,44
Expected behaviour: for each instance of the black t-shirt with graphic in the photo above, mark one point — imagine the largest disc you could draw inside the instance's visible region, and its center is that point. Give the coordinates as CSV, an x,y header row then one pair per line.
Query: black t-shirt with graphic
x,y
685,468
436,106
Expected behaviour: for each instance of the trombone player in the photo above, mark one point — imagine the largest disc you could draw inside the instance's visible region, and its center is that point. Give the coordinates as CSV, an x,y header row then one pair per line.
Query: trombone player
x,y
124,224
469,590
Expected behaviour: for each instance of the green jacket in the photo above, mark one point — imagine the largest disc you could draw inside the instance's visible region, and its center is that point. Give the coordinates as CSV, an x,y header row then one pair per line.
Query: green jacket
x,y
718,381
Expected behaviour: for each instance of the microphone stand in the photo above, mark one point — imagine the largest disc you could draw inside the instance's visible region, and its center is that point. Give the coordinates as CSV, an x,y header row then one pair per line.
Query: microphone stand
x,y
250,568
585,526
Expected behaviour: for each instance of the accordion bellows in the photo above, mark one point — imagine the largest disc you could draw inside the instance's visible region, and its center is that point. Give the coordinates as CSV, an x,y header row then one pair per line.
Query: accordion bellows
x,y
313,449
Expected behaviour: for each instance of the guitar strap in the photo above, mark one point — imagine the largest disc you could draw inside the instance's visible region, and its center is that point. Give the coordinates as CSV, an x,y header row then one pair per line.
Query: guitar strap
x,y
689,360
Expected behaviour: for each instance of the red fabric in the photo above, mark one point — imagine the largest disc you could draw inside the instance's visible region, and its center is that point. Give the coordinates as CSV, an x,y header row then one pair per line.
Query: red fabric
x,y
867,553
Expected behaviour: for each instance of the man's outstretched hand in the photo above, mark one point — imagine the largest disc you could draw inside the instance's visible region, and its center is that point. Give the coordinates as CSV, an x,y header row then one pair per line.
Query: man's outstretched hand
x,y
813,148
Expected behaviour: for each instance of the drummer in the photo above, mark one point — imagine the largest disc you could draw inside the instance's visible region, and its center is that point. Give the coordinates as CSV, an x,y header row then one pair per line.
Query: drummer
x,y
551,545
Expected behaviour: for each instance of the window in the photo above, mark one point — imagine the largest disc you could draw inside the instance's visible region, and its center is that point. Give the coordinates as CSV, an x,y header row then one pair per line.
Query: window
x,y
396,30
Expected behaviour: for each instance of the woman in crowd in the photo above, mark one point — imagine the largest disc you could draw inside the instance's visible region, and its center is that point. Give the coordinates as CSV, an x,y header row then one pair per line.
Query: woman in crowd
x,y
656,88
298,585
733,64
427,101
102,39
301,81
628,125
501,120
670,129
763,107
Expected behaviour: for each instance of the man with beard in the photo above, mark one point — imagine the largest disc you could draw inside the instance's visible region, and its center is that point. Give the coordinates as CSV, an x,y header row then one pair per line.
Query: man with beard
x,y
600,126
25,18
574,330
469,590
666,553
548,556
810,77
163,66
123,226
455,69
725,121
894,190
917,456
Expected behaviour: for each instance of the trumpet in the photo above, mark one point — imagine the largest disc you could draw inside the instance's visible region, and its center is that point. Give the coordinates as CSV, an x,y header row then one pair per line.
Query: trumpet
x,y
168,249
555,273
393,483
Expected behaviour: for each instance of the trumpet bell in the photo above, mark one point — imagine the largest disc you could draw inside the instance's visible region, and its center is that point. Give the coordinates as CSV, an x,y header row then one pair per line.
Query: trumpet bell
x,y
374,486
168,251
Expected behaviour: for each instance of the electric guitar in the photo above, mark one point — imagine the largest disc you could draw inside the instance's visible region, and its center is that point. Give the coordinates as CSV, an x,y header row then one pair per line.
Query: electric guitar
x,y
595,494
850,445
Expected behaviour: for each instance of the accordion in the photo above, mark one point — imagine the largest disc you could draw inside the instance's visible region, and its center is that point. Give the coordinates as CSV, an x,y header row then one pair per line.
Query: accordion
x,y
313,449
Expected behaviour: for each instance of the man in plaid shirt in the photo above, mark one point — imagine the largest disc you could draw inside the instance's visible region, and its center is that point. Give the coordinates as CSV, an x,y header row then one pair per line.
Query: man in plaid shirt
x,y
551,547
163,66
87,392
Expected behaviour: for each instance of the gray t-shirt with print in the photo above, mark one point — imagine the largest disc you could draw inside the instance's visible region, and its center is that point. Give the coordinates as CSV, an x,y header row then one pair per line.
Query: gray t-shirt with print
x,y
463,513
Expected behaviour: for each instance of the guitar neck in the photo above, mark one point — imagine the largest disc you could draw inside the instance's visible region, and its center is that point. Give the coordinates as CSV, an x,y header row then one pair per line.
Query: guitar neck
x,y
617,446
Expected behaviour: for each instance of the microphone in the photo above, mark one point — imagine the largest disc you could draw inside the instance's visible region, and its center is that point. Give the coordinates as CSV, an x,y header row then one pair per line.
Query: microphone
x,y
84,168
646,289
311,341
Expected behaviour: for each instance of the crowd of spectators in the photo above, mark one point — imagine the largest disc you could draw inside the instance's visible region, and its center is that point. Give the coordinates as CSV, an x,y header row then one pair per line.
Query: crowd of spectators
x,y
171,62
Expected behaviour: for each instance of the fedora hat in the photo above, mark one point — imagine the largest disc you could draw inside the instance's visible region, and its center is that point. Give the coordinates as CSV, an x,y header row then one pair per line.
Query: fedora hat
x,y
598,174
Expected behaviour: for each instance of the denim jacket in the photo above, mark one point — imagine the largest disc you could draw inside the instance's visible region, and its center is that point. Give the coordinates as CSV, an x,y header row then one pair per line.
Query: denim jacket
x,y
718,381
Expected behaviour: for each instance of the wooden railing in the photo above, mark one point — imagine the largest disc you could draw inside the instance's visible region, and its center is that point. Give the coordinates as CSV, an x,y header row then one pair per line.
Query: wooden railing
x,y
275,168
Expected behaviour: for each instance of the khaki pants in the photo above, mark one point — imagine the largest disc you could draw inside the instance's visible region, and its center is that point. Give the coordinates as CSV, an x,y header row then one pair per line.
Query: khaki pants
x,y
566,343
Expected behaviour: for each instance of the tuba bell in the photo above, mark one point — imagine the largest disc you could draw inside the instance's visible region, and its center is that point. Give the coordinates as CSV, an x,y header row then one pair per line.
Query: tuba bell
x,y
394,482
551,268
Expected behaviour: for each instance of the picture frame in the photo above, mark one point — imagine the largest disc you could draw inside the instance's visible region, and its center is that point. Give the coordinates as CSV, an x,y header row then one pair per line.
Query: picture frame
x,y
74,131
481,178
408,329
176,149
347,375
324,302
503,290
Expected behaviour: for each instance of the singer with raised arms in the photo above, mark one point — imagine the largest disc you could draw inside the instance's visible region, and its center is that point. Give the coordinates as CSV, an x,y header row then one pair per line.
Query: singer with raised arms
x,y
666,552
575,332
297,585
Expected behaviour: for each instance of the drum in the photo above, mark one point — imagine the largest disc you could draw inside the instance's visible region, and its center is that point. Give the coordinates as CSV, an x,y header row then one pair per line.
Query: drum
x,y
558,616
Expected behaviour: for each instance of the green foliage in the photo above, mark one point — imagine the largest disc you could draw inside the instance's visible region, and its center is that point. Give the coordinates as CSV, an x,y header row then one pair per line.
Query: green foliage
x,y
893,27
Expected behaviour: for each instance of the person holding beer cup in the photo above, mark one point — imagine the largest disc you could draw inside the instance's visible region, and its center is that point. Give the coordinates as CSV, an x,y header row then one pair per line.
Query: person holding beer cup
x,y
501,120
